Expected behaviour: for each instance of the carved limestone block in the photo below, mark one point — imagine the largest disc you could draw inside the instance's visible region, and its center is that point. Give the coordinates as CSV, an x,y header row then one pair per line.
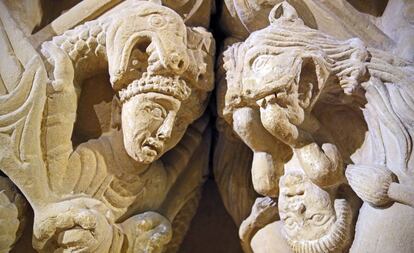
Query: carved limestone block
x,y
134,188
291,95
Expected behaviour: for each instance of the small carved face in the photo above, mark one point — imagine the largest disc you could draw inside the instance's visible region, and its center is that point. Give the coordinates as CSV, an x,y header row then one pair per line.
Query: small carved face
x,y
306,210
148,121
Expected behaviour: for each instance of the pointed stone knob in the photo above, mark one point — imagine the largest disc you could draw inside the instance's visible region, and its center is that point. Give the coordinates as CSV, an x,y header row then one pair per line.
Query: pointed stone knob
x,y
283,12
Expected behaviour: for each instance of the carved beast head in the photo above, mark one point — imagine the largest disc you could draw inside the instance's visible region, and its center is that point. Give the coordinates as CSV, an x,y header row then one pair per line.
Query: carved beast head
x,y
163,72
285,69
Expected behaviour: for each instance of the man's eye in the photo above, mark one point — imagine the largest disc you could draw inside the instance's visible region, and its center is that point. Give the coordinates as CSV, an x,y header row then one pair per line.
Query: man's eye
x,y
318,219
156,112
290,222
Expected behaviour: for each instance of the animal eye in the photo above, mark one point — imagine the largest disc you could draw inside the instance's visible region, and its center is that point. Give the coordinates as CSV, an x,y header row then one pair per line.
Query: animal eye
x,y
156,20
260,64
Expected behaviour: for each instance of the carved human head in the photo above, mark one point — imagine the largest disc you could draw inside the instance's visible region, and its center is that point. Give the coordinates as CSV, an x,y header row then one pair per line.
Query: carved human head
x,y
149,121
163,73
283,70
313,220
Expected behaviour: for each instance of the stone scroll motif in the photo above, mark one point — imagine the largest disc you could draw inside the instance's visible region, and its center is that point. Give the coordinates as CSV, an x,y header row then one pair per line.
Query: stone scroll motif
x,y
330,123
136,187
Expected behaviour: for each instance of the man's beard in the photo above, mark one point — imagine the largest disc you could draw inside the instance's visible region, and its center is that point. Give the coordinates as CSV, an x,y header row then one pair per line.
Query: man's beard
x,y
337,237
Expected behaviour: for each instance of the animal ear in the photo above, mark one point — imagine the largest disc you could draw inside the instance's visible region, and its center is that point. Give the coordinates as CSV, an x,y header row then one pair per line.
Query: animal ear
x,y
116,113
312,80
283,11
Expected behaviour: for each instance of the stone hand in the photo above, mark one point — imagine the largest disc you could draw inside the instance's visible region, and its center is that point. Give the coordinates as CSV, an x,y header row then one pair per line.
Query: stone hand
x,y
323,165
371,184
77,225
247,124
148,232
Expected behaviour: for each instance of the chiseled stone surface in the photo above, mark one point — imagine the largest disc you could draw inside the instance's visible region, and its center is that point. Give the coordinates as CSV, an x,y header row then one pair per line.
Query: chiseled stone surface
x,y
329,123
105,140
136,187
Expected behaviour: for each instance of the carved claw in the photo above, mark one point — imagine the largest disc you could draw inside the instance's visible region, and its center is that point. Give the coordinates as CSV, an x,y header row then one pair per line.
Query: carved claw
x,y
148,232
63,72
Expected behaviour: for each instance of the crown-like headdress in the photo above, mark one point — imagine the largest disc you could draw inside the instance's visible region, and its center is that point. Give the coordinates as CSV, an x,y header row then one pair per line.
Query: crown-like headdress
x,y
167,85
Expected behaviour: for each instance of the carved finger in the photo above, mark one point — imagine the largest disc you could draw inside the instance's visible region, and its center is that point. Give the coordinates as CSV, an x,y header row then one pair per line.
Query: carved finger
x,y
163,232
86,219
64,221
77,240
160,236
266,172
332,152
45,229
144,225
322,166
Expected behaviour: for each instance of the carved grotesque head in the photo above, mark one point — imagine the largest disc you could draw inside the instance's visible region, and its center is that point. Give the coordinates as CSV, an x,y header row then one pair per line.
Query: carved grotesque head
x,y
283,70
163,71
313,221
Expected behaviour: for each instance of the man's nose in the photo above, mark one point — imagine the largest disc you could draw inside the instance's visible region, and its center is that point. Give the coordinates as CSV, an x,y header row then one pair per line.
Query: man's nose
x,y
301,208
165,131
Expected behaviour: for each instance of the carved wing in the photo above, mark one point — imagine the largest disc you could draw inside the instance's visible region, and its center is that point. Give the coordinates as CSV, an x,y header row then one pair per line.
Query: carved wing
x,y
389,115
189,159
232,157
187,165
22,98
232,173
182,202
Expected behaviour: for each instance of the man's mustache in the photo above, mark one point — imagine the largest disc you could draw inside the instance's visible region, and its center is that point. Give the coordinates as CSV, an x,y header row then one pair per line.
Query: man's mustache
x,y
153,143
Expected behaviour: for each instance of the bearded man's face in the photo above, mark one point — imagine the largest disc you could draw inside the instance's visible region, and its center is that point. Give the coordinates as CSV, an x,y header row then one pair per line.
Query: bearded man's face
x,y
306,210
311,218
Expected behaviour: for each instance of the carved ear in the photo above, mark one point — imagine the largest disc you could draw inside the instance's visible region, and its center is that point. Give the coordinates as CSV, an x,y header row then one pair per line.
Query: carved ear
x,y
312,80
283,11
116,113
